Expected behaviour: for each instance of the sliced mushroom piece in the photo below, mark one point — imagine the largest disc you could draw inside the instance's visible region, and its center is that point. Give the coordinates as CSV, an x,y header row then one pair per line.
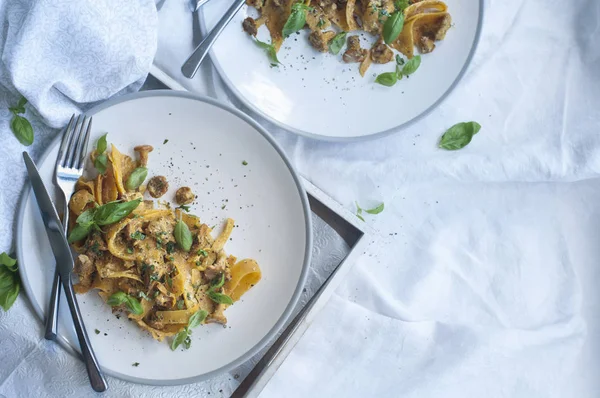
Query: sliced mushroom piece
x,y
250,26
184,196
158,186
354,53
320,40
381,53
143,151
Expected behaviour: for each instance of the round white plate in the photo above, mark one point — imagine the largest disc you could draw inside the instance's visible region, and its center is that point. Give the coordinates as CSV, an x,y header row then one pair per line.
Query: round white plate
x,y
317,95
207,143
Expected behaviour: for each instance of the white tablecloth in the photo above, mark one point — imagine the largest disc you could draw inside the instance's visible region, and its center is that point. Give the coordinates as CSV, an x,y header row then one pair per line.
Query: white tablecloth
x,y
481,280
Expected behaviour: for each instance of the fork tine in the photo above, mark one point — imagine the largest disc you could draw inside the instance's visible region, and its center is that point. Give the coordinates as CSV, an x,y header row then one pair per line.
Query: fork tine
x,y
63,144
83,145
70,153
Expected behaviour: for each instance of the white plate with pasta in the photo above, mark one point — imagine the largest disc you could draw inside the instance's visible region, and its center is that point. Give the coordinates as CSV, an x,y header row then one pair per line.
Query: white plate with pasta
x,y
142,276
320,95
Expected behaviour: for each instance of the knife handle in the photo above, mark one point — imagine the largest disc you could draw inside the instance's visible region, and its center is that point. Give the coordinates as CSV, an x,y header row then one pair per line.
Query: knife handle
x,y
91,363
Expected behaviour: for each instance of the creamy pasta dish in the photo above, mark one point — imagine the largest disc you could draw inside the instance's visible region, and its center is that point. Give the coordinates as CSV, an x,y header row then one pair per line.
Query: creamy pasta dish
x,y
399,25
160,265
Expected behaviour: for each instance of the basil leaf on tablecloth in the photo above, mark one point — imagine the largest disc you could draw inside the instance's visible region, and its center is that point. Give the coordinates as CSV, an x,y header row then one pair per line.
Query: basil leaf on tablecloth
x,y
459,135
22,129
10,282
20,108
376,210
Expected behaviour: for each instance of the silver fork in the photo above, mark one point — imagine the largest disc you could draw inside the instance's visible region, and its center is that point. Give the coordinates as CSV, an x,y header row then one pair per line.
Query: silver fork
x,y
68,169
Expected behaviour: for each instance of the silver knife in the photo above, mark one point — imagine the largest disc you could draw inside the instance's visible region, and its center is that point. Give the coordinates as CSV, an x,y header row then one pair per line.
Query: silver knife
x,y
64,264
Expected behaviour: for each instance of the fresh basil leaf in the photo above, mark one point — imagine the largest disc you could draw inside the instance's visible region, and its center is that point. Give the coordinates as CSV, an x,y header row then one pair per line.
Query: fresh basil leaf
x,y
459,135
401,5
9,296
136,178
134,306
8,261
179,339
22,129
337,43
113,212
398,72
376,210
387,79
100,163
117,298
196,319
411,65
187,343
87,216
79,232
219,297
183,236
296,20
101,145
399,60
217,282
393,27
360,217
271,53
20,108
10,282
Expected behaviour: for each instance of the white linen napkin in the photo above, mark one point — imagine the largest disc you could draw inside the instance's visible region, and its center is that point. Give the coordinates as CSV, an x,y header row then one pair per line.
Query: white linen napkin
x,y
65,56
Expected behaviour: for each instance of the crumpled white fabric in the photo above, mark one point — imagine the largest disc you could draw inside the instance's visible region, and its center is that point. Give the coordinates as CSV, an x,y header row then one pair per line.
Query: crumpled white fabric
x,y
65,55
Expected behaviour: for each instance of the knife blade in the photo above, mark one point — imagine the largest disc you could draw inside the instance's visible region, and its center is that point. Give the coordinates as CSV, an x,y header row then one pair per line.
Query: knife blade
x,y
54,228
64,263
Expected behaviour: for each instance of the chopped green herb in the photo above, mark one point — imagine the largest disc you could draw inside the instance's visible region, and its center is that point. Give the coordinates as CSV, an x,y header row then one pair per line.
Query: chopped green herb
x,y
165,141
202,252
170,247
96,331
169,281
223,207
135,364
130,250
137,235
144,296
244,163
154,277
184,208
180,304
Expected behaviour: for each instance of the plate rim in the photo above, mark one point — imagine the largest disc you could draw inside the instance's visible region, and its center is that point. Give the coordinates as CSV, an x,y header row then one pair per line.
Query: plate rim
x,y
380,134
62,341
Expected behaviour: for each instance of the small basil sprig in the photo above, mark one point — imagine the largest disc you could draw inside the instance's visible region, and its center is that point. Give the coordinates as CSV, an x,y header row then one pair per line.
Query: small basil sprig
x,y
459,135
136,178
109,213
19,125
375,210
101,160
270,50
393,27
183,337
391,78
411,65
10,282
215,296
183,236
132,304
336,44
296,20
